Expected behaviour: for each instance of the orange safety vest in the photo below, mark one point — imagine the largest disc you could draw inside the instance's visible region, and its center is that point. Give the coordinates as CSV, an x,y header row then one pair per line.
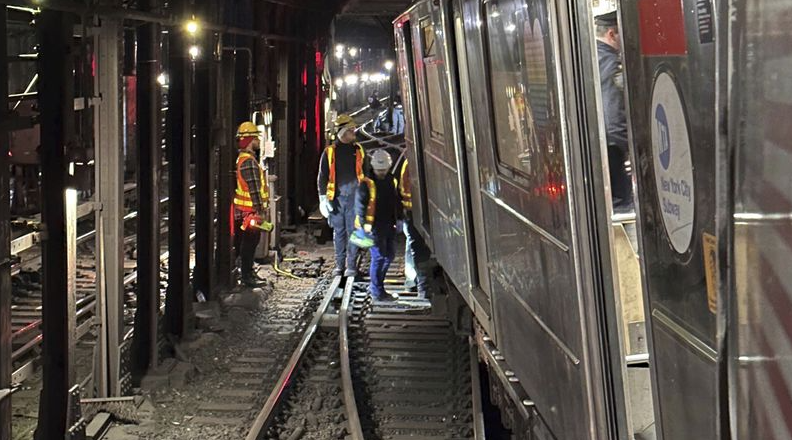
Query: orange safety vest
x,y
405,189
371,208
242,200
360,154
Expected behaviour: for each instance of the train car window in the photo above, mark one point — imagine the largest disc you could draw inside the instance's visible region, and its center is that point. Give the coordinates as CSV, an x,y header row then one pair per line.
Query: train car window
x,y
523,79
433,84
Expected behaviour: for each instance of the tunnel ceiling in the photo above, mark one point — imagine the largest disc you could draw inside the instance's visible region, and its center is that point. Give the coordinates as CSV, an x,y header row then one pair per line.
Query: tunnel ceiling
x,y
365,23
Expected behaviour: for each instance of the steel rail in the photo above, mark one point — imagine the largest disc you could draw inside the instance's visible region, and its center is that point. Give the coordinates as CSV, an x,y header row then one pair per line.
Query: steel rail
x,y
353,418
267,413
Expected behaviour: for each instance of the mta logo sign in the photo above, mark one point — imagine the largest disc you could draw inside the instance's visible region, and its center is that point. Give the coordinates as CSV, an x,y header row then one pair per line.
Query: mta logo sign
x,y
665,139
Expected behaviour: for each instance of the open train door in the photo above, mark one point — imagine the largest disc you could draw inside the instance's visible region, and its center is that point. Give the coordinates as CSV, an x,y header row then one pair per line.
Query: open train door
x,y
760,281
671,74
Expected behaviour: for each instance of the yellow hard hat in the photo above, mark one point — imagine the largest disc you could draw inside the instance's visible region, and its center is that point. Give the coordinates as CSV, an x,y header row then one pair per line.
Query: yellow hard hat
x,y
344,121
247,129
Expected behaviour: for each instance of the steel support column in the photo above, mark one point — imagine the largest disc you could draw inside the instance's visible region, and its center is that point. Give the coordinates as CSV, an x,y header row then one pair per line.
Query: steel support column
x,y
178,301
225,175
144,347
204,188
284,132
5,241
109,215
56,104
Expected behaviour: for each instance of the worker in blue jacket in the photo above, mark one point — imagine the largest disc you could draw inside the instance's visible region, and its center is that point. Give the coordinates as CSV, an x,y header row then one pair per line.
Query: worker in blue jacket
x,y
377,209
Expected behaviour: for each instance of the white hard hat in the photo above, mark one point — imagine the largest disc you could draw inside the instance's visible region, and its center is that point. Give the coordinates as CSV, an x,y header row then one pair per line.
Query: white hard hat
x,y
381,160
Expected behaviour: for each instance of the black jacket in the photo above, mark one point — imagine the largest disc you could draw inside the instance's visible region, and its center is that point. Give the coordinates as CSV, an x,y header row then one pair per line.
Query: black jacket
x,y
612,86
388,203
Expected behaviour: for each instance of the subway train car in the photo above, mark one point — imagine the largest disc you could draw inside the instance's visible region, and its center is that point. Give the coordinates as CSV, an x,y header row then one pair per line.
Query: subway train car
x,y
670,323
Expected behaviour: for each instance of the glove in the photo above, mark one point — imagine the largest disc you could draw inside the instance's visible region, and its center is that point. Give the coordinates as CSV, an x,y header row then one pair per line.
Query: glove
x,y
367,228
325,206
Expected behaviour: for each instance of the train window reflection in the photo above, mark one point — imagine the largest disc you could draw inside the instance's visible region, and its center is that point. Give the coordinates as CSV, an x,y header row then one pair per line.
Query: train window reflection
x,y
433,84
523,81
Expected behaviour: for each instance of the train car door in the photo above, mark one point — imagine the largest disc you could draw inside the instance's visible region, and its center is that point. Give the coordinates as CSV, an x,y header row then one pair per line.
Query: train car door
x,y
481,292
412,135
670,67
444,164
530,130
760,297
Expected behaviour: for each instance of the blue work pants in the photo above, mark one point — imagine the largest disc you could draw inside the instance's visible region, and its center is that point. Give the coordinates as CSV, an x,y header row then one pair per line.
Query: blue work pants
x,y
382,254
416,253
342,220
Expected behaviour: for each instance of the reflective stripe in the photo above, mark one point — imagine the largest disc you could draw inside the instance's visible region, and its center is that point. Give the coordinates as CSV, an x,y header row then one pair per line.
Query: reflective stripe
x,y
371,208
404,186
360,154
242,200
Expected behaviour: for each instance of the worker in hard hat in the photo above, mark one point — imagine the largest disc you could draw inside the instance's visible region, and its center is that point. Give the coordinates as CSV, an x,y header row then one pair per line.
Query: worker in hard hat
x,y
250,201
340,172
416,253
377,209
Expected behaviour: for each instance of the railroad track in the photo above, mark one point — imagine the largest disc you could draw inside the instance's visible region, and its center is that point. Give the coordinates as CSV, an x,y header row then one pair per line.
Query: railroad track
x,y
375,371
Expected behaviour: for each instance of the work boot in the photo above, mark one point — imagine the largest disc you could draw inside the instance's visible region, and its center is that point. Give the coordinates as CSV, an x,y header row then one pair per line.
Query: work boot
x,y
249,281
350,273
337,272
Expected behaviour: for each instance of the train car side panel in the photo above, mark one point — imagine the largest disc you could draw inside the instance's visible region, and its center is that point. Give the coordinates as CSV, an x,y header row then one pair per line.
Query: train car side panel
x,y
536,303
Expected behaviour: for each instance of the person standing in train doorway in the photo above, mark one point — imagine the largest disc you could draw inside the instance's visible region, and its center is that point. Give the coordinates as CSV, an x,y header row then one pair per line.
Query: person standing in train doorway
x,y
416,253
340,172
377,209
612,86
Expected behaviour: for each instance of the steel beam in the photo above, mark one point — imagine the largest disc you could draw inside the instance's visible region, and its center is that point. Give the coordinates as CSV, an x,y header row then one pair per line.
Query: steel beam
x,y
109,216
121,13
178,301
56,104
144,346
226,157
5,240
204,188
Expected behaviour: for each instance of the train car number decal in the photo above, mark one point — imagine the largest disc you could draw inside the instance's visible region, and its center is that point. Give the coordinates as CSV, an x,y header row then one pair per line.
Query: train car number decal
x,y
673,167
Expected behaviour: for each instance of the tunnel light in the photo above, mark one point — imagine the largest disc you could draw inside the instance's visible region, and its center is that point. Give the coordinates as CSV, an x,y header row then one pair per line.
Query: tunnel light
x,y
339,83
192,27
511,27
339,48
364,77
351,79
388,65
377,77
162,79
339,55
195,52
353,52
